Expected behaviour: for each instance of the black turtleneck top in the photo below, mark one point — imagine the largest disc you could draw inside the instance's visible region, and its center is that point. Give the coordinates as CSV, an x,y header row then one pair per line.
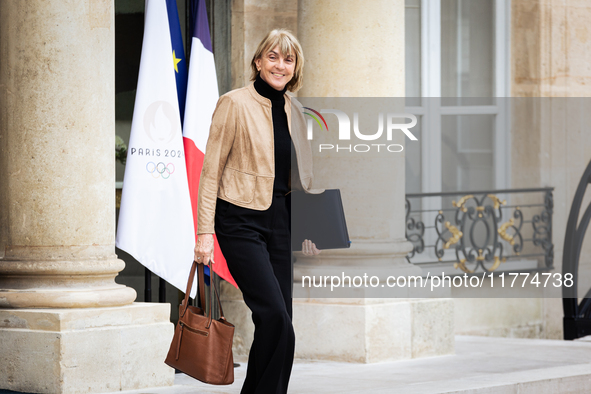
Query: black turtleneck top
x,y
282,139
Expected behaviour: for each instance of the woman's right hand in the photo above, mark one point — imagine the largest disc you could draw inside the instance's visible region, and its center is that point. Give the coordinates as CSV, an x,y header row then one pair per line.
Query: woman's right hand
x,y
309,248
204,249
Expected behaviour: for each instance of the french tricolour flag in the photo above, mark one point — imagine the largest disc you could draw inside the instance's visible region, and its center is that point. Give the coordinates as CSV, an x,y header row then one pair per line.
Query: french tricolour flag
x,y
202,96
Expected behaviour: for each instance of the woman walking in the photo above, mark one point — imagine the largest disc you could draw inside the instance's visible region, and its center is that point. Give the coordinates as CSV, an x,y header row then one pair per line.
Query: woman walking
x,y
244,198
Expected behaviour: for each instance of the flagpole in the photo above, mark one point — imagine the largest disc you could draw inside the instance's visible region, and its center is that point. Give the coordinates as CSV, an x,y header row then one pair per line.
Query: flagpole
x,y
188,31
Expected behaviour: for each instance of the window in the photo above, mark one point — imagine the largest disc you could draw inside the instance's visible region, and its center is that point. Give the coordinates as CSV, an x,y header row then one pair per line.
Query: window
x,y
456,70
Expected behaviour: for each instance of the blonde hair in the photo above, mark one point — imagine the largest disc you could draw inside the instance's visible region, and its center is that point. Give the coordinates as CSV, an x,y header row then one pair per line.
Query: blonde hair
x,y
288,45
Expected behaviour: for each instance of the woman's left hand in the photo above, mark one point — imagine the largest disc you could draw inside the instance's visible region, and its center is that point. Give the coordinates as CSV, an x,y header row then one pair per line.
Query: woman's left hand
x,y
309,248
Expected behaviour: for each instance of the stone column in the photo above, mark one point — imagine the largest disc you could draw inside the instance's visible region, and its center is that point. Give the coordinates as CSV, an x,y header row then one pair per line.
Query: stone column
x,y
57,187
57,216
358,52
356,49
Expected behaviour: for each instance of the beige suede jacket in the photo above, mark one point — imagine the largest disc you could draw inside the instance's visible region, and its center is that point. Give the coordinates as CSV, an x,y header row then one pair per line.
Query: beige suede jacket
x,y
239,164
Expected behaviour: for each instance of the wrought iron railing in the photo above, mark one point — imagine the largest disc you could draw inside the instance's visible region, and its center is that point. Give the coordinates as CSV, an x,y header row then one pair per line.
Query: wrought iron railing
x,y
480,231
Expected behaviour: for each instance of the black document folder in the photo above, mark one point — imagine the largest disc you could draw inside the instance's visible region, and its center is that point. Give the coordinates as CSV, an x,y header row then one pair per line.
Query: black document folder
x,y
319,218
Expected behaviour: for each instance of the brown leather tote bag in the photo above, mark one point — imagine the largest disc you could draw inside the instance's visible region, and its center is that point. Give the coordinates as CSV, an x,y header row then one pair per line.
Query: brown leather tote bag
x,y
202,346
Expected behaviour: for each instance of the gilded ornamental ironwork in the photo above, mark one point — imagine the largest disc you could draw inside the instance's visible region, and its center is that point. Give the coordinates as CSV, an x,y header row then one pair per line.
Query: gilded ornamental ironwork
x,y
479,231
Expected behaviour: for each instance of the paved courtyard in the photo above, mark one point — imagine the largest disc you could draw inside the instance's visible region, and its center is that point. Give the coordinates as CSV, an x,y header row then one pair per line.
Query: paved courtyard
x,y
480,365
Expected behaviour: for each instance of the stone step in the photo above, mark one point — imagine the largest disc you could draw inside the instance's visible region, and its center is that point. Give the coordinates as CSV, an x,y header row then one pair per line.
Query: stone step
x,y
481,365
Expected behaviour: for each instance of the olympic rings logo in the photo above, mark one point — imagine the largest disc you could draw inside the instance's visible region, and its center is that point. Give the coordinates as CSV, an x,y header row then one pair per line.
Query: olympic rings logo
x,y
160,169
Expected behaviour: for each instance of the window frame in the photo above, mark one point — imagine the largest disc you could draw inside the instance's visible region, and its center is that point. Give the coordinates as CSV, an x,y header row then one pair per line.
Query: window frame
x,y
432,111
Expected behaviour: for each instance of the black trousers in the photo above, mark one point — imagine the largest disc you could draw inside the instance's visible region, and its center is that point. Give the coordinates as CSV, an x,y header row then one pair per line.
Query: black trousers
x,y
257,248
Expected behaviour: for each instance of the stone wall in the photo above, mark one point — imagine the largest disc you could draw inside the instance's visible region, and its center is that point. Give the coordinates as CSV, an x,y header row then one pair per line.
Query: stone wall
x,y
550,146
551,58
